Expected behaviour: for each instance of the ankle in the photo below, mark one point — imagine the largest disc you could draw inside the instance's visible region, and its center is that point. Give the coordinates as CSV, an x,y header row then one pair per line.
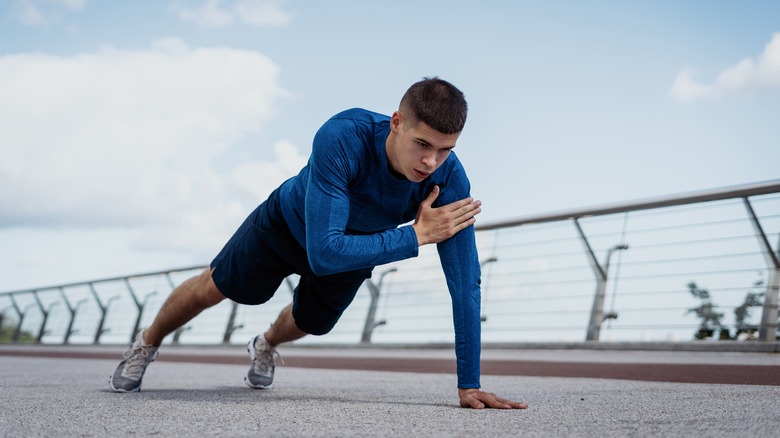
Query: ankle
x,y
264,337
148,340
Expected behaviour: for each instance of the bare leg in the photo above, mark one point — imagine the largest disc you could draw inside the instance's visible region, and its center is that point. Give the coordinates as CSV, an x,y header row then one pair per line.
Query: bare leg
x,y
284,329
185,302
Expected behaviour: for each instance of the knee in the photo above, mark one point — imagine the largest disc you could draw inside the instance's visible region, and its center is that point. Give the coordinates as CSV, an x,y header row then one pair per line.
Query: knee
x,y
316,321
208,293
316,328
317,331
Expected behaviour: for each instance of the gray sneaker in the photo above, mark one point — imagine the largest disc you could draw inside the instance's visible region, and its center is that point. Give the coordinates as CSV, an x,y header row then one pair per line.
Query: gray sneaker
x,y
128,375
261,374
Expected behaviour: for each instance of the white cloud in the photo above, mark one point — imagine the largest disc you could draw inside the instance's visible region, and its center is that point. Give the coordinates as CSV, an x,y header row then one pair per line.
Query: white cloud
x,y
256,180
42,12
262,12
219,13
748,77
206,15
128,139
685,88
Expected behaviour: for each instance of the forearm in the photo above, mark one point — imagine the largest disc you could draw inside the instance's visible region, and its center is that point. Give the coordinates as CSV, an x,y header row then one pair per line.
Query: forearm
x,y
460,263
332,249
339,252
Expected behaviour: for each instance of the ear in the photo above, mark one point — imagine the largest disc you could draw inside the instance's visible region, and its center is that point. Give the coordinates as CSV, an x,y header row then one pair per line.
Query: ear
x,y
395,122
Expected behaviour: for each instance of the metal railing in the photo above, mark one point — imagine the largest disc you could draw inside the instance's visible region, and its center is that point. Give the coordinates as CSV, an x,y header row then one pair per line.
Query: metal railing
x,y
768,325
683,264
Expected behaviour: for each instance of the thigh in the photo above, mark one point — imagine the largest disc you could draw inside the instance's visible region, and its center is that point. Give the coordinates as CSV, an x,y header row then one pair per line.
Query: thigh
x,y
249,268
320,300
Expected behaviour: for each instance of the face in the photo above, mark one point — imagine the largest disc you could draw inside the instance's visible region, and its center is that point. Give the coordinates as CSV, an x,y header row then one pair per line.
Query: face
x,y
417,151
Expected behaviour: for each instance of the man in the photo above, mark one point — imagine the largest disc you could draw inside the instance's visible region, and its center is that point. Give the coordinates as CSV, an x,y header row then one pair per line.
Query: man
x,y
334,222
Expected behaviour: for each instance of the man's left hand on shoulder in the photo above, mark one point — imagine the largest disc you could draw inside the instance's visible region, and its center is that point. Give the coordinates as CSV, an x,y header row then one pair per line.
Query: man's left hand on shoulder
x,y
476,399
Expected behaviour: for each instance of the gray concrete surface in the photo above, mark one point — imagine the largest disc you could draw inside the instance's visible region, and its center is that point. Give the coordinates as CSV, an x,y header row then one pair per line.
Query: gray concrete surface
x,y
70,397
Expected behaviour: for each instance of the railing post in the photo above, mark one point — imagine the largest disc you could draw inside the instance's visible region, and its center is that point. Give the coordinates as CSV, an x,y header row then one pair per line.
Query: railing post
x,y
42,331
767,332
170,280
72,309
103,312
140,305
482,264
370,325
597,311
231,327
177,334
18,329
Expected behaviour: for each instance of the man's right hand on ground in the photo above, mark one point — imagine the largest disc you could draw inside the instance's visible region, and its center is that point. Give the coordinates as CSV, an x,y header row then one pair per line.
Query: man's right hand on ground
x,y
433,225
476,399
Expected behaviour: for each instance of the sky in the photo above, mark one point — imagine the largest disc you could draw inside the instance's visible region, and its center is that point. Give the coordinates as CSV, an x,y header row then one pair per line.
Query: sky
x,y
137,136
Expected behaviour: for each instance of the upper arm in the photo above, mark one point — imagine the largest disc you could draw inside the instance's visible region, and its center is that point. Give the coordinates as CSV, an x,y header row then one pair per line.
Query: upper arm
x,y
327,193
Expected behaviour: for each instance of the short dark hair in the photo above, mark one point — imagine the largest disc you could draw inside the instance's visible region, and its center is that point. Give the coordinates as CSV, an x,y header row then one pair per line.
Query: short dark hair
x,y
437,103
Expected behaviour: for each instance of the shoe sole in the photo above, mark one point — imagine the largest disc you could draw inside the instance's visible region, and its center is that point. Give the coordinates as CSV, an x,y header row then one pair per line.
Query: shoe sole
x,y
251,349
111,384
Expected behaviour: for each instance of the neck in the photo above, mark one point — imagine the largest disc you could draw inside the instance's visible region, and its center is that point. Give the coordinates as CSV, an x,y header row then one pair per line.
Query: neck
x,y
392,162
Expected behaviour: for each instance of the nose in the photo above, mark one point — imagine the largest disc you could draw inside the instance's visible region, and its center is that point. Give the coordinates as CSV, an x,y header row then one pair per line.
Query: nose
x,y
429,160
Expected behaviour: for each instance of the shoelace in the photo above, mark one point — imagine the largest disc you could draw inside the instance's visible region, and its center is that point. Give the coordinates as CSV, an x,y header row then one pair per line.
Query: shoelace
x,y
263,362
137,361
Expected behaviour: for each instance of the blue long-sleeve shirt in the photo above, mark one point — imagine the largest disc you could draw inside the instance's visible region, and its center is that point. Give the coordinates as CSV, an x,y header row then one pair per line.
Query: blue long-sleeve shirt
x,y
345,208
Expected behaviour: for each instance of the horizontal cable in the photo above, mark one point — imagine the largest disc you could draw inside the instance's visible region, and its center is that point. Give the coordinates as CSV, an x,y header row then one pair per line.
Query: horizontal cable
x,y
632,248
688,259
692,241
689,274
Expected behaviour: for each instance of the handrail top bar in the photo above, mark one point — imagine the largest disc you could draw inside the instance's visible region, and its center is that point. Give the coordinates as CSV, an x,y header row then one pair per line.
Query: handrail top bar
x,y
102,280
740,191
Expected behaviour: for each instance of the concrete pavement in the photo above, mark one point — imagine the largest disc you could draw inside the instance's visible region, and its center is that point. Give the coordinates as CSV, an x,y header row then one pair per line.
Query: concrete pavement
x,y
65,396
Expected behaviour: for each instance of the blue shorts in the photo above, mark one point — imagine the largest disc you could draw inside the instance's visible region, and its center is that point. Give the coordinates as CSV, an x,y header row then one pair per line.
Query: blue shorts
x,y
263,252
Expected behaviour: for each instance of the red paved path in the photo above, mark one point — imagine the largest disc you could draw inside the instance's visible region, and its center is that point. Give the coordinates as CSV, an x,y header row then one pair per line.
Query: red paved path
x,y
686,373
